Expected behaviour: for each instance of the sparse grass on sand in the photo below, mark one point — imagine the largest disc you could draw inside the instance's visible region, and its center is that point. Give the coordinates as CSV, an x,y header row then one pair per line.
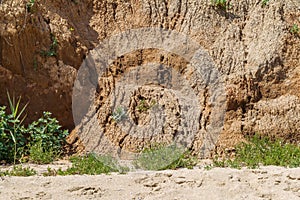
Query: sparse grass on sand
x,y
261,150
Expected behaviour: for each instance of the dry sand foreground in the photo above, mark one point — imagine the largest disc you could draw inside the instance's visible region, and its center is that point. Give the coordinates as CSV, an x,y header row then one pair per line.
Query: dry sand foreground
x,y
218,183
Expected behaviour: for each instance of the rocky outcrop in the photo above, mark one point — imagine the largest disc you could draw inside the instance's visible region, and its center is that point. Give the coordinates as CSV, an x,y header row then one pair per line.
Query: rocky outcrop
x,y
250,44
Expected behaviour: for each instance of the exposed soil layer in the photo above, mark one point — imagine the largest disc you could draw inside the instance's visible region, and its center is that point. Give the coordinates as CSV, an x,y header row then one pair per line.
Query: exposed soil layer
x,y
42,47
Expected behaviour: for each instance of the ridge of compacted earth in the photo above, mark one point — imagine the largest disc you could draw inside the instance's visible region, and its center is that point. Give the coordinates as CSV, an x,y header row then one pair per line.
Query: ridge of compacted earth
x,y
267,182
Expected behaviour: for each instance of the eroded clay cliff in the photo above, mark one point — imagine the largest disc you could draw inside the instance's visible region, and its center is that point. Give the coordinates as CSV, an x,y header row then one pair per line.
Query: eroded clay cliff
x,y
251,45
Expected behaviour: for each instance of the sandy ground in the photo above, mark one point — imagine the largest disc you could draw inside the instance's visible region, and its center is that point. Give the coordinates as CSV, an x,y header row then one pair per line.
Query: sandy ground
x,y
218,183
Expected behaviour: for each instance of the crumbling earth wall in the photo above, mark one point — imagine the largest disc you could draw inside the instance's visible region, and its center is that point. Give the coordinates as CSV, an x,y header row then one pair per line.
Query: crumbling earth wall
x,y
251,45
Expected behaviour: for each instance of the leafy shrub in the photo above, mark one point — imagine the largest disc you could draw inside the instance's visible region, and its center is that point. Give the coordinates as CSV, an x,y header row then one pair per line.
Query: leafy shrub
x,y
92,164
16,140
263,151
162,157
47,131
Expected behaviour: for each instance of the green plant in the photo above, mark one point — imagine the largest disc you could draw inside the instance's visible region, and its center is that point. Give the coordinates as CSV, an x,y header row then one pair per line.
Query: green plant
x,y
48,132
221,4
119,114
15,119
92,164
144,106
50,172
35,64
53,48
264,2
39,155
263,151
295,29
208,167
11,130
17,141
161,157
29,5
18,171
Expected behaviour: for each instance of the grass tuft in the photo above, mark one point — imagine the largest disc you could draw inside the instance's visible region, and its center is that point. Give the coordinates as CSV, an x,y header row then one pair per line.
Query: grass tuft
x,y
264,2
18,170
162,157
92,164
39,155
262,150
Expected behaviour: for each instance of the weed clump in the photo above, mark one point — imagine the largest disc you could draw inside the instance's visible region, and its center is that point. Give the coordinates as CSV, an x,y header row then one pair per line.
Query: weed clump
x,y
52,49
161,157
220,4
92,164
29,5
39,155
262,150
18,171
295,29
264,2
119,114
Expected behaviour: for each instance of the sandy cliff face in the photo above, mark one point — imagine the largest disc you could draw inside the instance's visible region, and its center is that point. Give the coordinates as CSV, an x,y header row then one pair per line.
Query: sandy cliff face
x,y
251,45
